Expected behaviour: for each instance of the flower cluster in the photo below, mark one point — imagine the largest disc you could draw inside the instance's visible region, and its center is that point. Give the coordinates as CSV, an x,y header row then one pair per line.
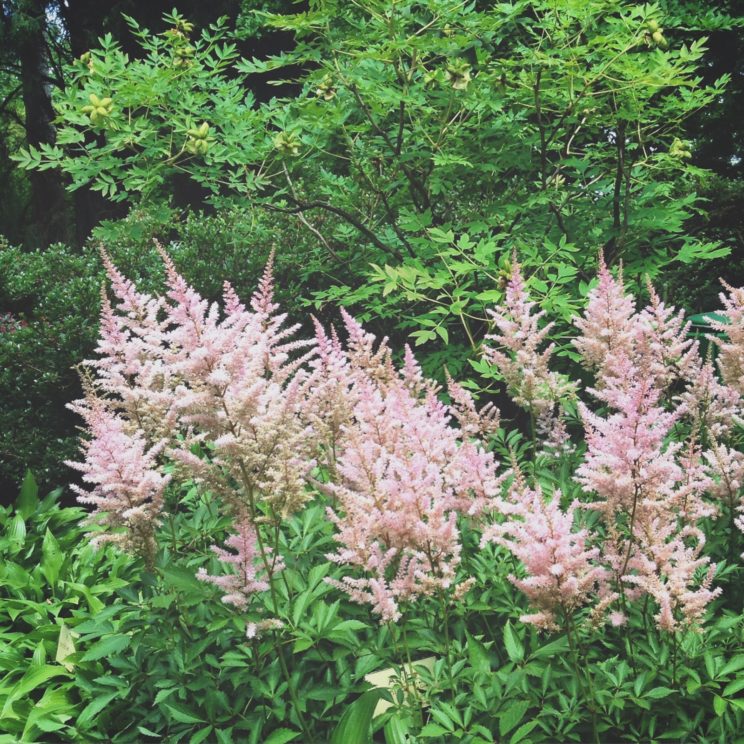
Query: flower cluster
x,y
515,349
562,573
228,398
403,475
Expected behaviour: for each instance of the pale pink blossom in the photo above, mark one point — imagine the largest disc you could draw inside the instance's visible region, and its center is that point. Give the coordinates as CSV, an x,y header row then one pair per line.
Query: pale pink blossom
x,y
123,470
402,475
731,349
608,327
250,566
562,573
514,349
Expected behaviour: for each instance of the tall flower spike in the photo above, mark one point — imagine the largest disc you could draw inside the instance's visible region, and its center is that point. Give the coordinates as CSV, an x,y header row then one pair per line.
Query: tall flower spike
x,y
731,349
664,349
127,489
562,573
403,475
608,326
517,354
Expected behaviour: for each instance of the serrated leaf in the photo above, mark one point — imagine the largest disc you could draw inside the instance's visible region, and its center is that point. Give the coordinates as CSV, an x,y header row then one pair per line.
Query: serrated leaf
x,y
512,716
94,707
107,646
182,714
733,687
658,692
512,644
734,665
522,731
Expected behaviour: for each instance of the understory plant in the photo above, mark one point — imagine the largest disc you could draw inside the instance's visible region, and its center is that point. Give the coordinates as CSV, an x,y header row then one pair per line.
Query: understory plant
x,y
619,530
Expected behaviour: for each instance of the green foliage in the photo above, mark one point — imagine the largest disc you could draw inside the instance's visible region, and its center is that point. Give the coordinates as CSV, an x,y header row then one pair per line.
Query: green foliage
x,y
94,648
425,144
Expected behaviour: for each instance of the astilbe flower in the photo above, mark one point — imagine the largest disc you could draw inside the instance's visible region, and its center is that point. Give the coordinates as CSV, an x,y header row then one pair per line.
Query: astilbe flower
x,y
712,407
562,573
515,349
127,489
250,565
725,466
731,349
608,326
663,349
233,384
402,476
643,486
670,572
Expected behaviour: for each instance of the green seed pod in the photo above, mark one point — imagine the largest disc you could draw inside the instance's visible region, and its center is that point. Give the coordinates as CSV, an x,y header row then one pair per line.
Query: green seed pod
x,y
652,26
659,39
94,99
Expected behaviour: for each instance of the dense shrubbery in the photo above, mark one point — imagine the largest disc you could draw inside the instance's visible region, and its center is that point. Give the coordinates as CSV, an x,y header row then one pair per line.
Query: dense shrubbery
x,y
527,531
204,422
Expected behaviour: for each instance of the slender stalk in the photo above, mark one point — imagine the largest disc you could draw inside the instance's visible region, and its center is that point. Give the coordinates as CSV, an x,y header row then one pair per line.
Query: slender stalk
x,y
447,647
587,693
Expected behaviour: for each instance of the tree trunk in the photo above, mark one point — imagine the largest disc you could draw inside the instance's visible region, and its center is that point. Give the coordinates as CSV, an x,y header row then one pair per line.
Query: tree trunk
x,y
48,202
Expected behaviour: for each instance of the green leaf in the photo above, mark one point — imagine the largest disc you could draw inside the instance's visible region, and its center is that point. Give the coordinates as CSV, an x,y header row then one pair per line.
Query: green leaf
x,y
110,645
355,724
281,736
733,687
512,644
28,498
512,716
734,665
35,676
182,714
522,731
201,735
94,707
433,729
719,705
16,532
51,558
478,656
658,692
396,731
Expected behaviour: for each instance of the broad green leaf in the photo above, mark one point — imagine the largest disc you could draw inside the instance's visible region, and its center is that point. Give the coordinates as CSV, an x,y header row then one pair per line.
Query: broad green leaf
x,y
659,692
93,708
355,724
512,644
282,736
512,716
182,714
28,498
33,678
51,558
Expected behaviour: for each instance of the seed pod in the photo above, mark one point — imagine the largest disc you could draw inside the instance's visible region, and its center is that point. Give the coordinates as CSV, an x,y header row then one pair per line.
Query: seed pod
x,y
659,39
652,26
